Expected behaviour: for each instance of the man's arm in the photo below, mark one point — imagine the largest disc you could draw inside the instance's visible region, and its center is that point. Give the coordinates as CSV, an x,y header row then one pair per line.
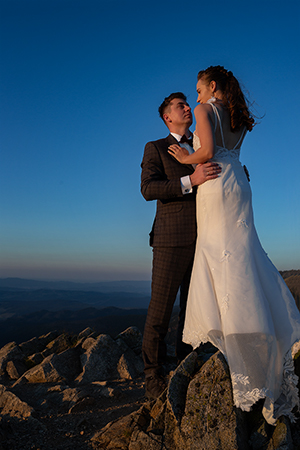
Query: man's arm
x,y
154,182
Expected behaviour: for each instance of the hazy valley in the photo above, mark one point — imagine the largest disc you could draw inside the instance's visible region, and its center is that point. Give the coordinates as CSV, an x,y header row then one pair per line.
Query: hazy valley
x,y
31,308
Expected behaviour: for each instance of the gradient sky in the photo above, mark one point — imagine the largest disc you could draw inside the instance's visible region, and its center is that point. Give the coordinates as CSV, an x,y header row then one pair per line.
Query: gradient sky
x,y
81,81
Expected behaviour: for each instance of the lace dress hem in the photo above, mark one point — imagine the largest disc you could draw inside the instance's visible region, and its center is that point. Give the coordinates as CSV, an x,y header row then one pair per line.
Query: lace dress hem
x,y
245,399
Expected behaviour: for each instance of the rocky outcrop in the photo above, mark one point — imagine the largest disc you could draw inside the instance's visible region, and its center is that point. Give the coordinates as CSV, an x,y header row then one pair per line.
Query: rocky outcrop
x,y
196,412
55,383
84,358
11,405
62,374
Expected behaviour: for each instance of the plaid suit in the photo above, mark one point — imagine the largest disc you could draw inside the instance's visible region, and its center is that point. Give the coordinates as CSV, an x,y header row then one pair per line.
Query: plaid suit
x,y
173,239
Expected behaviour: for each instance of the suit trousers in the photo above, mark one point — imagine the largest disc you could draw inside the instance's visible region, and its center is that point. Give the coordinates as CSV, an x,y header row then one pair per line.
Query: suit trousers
x,y
171,271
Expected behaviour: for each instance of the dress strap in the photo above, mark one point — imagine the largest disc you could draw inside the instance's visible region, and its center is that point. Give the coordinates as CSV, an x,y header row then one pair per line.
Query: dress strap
x,y
240,139
217,116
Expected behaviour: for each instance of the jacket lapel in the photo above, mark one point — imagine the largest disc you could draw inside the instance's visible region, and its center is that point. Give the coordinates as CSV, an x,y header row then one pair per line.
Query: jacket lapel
x,y
171,140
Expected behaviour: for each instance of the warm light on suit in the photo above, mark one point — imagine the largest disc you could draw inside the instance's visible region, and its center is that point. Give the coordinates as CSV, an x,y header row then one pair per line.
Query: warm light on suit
x,y
173,238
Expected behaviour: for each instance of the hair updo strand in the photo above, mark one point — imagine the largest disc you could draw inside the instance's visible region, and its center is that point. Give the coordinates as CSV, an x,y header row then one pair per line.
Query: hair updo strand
x,y
233,97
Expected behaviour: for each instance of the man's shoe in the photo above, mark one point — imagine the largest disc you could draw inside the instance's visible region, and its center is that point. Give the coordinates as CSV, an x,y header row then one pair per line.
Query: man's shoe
x,y
155,386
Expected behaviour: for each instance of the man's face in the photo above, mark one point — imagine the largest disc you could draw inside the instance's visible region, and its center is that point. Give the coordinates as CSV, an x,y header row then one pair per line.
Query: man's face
x,y
178,113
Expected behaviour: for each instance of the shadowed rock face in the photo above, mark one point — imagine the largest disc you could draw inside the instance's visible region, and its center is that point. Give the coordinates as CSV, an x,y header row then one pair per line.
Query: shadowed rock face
x,y
72,375
196,412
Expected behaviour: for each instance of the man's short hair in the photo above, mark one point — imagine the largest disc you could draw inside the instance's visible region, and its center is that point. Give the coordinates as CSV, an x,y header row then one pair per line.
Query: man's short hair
x,y
166,103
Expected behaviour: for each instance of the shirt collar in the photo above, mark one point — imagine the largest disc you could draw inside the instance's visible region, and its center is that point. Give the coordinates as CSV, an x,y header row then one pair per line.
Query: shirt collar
x,y
179,136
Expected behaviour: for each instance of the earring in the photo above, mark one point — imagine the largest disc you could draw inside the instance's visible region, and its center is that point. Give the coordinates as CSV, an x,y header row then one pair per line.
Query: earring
x,y
212,98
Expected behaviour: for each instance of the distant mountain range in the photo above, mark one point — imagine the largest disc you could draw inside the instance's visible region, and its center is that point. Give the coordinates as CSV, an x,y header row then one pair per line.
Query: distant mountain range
x,y
140,287
16,301
112,321
31,308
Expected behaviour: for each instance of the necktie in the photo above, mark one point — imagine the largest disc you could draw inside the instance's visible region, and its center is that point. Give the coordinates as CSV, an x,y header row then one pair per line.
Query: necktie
x,y
185,140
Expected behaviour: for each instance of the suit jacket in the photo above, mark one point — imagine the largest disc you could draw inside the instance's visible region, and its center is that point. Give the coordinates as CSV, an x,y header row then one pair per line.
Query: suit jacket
x,y
175,220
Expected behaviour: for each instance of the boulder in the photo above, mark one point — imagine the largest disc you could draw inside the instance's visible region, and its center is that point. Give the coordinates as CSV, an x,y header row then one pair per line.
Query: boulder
x,y
35,344
196,412
210,420
15,369
35,359
100,361
118,434
87,343
55,368
178,385
12,406
67,364
10,351
133,338
59,344
42,373
130,365
85,333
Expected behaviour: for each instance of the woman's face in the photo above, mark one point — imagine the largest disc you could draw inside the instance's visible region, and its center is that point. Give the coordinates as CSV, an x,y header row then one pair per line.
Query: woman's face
x,y
204,91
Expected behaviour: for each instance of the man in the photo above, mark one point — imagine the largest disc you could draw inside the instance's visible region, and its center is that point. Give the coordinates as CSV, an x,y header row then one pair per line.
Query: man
x,y
173,234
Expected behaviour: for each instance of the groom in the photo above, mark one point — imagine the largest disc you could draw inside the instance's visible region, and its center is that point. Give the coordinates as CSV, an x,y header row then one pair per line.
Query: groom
x,y
173,234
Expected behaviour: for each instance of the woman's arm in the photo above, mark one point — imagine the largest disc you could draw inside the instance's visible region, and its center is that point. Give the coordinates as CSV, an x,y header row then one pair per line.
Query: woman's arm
x,y
204,130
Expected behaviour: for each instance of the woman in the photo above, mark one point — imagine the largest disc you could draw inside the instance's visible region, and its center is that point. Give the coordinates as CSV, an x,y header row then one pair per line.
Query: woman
x,y
237,299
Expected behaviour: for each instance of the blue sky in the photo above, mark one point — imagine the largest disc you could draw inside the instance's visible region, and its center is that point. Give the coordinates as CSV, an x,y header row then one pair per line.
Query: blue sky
x,y
81,81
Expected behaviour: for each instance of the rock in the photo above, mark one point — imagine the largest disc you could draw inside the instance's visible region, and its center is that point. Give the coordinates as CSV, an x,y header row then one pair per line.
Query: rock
x,y
12,406
117,434
46,352
196,412
35,359
9,352
31,346
35,344
85,333
282,437
273,438
112,393
87,343
60,344
179,382
61,396
100,383
55,368
15,369
82,405
150,441
295,349
107,392
259,437
130,365
133,338
42,373
67,364
100,361
210,419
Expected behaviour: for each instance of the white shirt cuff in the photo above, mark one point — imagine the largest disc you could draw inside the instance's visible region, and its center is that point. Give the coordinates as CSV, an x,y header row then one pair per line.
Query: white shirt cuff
x,y
186,185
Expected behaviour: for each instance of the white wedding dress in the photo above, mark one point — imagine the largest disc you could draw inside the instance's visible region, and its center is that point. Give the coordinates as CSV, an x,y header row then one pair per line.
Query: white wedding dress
x,y
237,299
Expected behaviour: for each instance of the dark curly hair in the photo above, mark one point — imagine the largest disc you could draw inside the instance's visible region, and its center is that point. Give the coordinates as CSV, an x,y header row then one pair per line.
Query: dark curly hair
x,y
233,97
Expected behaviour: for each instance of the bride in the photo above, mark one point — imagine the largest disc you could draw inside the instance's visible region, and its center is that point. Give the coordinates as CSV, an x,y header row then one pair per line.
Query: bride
x,y
237,299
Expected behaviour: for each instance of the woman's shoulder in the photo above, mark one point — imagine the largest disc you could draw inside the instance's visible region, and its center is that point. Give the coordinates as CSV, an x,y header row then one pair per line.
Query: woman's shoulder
x,y
203,110
201,107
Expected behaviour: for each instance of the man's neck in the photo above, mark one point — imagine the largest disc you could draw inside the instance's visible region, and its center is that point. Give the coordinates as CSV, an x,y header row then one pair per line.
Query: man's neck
x,y
181,131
